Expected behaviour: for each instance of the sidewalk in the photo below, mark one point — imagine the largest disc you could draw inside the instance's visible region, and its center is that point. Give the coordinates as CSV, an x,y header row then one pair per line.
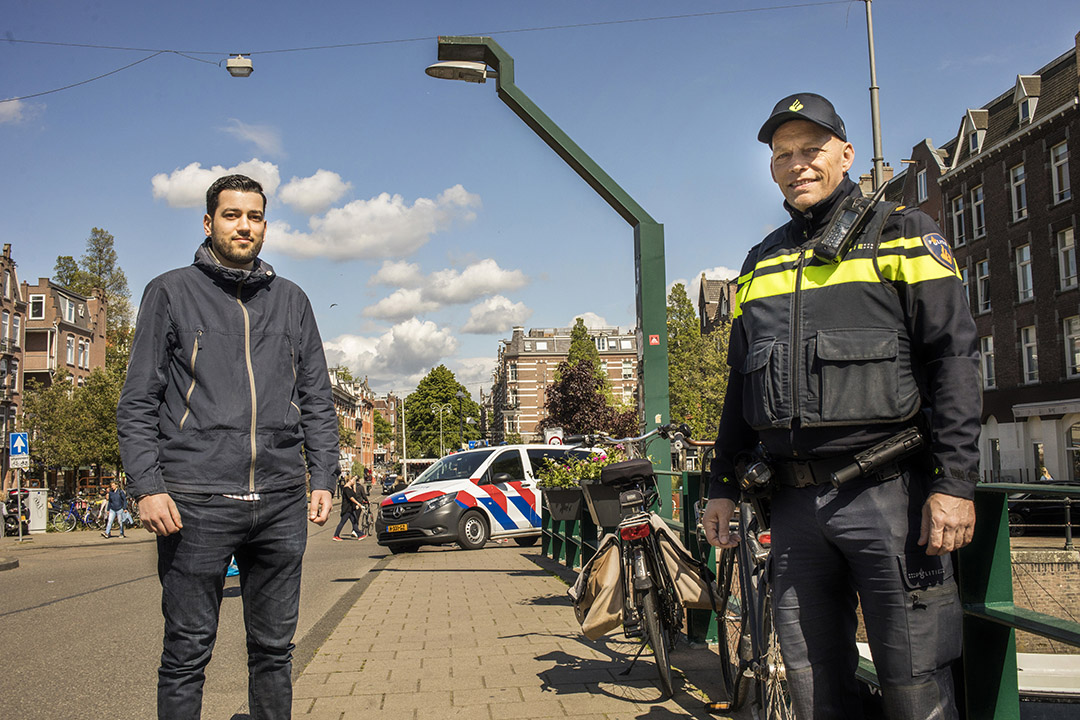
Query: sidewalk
x,y
484,634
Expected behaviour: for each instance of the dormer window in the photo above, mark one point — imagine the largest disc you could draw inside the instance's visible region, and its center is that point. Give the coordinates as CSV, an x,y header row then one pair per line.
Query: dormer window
x,y
975,129
1026,96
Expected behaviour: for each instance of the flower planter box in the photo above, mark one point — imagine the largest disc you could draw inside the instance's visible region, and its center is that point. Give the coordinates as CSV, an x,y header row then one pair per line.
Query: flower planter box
x,y
563,504
603,503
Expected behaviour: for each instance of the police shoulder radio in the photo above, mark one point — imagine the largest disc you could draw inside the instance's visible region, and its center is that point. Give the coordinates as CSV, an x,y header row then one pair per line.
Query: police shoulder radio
x,y
846,224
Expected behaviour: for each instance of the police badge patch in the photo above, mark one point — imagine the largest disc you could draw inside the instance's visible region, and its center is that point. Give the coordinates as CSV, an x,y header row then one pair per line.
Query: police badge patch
x,y
939,248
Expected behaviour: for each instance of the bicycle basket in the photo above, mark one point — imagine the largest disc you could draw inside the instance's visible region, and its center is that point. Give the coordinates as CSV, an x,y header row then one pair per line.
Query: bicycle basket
x,y
598,594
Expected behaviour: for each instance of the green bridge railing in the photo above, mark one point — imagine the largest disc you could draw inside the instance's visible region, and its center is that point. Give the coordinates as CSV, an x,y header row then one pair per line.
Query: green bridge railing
x,y
990,688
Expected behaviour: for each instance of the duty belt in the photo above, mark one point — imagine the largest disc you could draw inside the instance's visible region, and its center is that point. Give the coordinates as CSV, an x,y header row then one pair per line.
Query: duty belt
x,y
812,472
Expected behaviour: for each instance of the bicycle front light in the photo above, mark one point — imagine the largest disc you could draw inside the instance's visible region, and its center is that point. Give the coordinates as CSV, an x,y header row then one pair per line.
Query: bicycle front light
x,y
435,503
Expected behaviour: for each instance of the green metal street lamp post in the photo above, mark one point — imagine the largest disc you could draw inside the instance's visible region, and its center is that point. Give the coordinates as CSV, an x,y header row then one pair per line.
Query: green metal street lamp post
x,y
469,59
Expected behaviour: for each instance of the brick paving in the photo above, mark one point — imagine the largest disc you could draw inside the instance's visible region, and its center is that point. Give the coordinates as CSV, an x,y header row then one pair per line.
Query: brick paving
x,y
489,634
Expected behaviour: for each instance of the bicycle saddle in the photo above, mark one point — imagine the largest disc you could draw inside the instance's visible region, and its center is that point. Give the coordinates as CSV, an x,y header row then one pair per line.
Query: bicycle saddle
x,y
627,472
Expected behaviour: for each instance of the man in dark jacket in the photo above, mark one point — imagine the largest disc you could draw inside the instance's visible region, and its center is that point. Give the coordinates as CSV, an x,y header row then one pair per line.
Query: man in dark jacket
x,y
837,348
226,410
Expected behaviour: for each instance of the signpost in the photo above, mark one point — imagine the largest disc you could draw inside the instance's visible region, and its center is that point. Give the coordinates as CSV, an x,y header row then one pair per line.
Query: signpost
x,y
19,454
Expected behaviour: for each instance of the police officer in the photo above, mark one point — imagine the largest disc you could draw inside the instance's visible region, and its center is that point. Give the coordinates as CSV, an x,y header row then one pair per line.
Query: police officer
x,y
851,328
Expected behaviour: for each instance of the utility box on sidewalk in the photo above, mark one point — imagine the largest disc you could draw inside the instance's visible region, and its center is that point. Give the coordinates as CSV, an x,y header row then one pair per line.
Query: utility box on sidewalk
x,y
39,509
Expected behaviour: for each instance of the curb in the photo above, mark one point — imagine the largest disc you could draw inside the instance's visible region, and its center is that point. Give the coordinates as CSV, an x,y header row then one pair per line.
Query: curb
x,y
8,563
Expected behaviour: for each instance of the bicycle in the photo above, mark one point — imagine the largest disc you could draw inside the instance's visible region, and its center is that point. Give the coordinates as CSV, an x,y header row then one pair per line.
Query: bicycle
x,y
749,648
367,518
77,513
652,610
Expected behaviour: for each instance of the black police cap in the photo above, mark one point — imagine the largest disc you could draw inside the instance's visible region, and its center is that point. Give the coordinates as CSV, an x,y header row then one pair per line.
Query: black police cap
x,y
803,106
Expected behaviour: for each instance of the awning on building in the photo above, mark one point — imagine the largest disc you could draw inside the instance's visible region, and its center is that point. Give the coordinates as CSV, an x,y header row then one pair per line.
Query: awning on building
x,y
1047,410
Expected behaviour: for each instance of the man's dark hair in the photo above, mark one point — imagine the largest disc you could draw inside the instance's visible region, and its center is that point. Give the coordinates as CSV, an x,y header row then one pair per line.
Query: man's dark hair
x,y
241,183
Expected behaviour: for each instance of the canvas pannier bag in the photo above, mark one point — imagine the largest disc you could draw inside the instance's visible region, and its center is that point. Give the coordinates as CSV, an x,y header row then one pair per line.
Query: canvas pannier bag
x,y
693,580
599,593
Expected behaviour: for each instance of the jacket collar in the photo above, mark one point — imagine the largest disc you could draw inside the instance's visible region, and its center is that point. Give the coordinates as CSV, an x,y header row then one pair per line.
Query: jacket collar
x,y
261,274
805,224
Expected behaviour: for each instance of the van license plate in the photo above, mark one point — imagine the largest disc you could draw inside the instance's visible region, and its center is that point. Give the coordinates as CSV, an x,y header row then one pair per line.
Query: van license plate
x,y
397,528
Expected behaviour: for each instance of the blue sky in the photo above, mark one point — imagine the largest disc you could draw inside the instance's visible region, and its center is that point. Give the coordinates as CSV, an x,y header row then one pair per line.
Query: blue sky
x,y
423,218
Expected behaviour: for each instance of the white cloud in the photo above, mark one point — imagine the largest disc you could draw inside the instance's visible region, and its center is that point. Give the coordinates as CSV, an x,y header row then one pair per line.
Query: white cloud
x,y
475,281
474,372
265,138
693,286
591,320
383,226
314,194
495,315
13,112
399,305
398,357
186,187
398,273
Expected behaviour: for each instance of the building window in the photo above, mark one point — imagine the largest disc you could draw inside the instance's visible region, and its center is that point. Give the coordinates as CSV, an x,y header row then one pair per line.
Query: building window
x,y
69,310
978,214
920,183
16,331
628,393
601,342
627,369
1024,288
1059,160
70,349
37,307
5,321
986,346
973,142
1025,110
627,344
966,280
1067,258
512,372
959,223
512,397
541,345
982,287
1030,354
1019,192
1072,346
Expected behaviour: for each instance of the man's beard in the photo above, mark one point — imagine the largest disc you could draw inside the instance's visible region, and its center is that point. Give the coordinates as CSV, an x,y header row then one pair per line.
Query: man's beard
x,y
225,249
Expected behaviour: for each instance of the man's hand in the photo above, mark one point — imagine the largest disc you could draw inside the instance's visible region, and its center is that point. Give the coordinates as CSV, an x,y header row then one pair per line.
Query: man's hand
x,y
159,514
948,523
717,523
319,510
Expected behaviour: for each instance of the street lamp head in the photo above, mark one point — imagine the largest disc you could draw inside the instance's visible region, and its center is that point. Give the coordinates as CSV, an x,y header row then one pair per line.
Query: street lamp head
x,y
239,66
468,71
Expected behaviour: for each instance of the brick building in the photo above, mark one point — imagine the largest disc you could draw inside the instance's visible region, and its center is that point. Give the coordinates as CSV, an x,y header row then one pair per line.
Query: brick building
x,y
355,405
526,366
12,319
387,407
1007,204
63,330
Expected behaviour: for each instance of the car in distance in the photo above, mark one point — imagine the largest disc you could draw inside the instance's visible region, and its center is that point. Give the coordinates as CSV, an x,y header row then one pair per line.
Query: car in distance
x,y
1035,512
469,498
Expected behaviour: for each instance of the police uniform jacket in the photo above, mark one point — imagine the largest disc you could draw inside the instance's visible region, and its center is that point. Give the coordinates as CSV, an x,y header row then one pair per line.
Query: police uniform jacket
x,y
830,358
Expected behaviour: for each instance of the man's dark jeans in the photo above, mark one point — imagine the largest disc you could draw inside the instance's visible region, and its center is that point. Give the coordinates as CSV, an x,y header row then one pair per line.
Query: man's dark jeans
x,y
267,536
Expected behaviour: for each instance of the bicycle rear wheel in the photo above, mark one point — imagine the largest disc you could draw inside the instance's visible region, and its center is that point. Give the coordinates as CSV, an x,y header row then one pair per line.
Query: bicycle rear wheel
x,y
775,699
730,620
649,605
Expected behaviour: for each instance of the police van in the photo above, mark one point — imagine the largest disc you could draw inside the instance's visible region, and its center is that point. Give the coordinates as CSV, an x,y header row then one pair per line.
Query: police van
x,y
468,498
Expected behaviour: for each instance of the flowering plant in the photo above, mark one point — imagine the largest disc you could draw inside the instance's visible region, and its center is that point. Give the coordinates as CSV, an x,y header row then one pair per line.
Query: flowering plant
x,y
569,472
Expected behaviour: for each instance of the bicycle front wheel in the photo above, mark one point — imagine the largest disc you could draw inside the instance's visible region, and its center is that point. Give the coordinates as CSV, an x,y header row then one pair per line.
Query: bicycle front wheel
x,y
62,522
733,651
775,699
649,606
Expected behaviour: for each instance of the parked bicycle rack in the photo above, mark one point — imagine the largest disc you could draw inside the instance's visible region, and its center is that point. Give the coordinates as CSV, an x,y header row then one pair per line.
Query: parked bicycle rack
x,y
989,682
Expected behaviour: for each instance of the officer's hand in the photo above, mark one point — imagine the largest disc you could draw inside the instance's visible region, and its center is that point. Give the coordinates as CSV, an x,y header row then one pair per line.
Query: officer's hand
x,y
717,523
159,514
319,510
948,523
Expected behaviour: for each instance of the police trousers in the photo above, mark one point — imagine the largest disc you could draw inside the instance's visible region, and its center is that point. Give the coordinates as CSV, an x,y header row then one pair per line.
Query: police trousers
x,y
834,549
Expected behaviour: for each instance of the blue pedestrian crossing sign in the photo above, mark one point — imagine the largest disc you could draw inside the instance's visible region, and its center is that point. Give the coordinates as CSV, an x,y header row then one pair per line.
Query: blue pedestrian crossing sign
x,y
19,450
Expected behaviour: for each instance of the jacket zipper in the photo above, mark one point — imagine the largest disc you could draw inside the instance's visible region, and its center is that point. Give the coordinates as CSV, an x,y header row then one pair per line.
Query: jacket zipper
x,y
251,381
796,339
292,361
191,388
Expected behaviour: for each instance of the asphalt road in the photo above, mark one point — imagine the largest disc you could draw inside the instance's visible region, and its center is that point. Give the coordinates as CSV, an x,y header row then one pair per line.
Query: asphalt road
x,y
80,623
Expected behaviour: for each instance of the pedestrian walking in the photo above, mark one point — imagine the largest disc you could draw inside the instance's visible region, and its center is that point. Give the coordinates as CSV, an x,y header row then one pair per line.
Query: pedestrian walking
x,y
350,509
116,502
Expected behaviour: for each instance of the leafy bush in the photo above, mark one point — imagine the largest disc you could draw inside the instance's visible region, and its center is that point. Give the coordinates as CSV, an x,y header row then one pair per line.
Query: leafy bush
x,y
569,472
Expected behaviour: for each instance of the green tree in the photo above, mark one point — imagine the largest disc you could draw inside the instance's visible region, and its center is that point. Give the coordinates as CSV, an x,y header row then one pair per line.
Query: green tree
x,y
697,367
343,373
346,432
439,387
576,401
99,268
49,418
93,406
383,432
582,348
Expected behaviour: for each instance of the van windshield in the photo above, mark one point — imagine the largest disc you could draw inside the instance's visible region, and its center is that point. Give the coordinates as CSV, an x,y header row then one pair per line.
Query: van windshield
x,y
459,466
